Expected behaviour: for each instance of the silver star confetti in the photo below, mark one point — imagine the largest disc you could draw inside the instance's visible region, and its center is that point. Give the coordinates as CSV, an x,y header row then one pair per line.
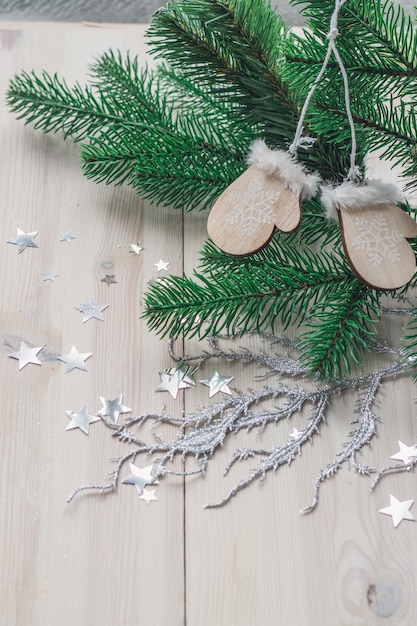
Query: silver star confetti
x,y
81,419
68,237
217,384
24,240
26,355
157,281
50,275
136,248
173,380
398,510
140,477
200,434
113,408
109,279
148,495
296,434
92,310
161,265
75,360
406,454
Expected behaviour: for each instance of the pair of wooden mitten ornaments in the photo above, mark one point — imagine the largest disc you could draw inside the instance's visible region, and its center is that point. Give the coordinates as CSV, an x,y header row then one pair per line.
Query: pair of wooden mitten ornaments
x,y
269,193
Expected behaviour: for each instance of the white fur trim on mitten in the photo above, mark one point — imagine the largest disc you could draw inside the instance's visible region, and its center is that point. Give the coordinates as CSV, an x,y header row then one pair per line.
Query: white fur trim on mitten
x,y
281,164
372,193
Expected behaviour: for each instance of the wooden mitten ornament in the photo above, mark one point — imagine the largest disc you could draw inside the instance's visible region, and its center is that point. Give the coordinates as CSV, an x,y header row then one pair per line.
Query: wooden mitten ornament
x,y
267,196
374,232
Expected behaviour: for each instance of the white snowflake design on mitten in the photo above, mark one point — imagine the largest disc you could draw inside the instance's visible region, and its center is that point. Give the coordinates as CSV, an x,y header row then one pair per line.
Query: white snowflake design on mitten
x,y
254,207
377,239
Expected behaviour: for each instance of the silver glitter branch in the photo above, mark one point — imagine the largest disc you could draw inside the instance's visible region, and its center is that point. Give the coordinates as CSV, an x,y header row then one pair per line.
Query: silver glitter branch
x,y
274,458
274,363
199,434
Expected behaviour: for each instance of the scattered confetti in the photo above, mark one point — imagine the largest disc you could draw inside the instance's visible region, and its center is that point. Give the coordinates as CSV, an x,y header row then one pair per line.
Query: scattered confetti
x,y
158,280
203,432
50,275
161,265
218,384
26,355
398,510
148,495
136,248
75,360
113,408
92,310
140,477
109,279
296,434
81,419
68,237
173,380
405,454
24,240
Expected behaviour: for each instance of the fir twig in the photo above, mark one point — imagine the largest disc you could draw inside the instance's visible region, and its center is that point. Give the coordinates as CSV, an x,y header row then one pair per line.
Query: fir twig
x,y
234,48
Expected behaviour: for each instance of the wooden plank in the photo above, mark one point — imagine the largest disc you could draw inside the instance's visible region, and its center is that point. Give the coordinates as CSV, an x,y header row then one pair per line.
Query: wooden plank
x,y
110,560
99,560
258,560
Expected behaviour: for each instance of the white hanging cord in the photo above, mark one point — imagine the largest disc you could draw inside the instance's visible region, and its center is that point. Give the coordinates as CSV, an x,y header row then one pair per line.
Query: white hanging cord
x,y
354,173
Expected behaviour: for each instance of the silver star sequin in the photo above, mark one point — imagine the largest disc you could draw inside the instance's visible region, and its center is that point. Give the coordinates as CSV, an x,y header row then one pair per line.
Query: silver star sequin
x,y
113,408
148,495
26,355
173,380
75,360
398,510
49,275
109,279
136,248
68,237
218,384
406,454
81,419
296,434
161,265
92,310
140,477
24,240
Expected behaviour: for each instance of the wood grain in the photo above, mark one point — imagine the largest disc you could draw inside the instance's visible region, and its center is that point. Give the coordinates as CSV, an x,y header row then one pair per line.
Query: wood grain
x,y
100,560
113,560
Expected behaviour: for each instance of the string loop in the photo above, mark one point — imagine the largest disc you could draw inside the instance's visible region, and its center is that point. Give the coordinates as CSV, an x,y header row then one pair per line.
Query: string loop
x,y
354,173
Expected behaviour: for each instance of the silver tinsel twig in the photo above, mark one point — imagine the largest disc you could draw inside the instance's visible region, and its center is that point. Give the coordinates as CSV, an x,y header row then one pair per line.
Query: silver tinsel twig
x,y
199,434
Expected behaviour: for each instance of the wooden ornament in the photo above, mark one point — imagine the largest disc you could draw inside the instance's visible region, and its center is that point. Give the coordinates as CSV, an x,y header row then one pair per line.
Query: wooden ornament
x,y
245,215
375,243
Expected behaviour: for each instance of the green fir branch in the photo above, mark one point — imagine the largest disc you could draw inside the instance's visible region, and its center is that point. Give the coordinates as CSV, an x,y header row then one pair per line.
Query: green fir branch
x,y
389,127
383,28
130,87
235,296
377,42
173,169
339,329
136,135
284,250
234,48
48,103
315,228
229,73
192,98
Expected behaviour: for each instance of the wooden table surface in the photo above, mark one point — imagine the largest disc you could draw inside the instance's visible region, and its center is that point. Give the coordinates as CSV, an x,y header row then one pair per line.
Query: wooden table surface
x,y
108,560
